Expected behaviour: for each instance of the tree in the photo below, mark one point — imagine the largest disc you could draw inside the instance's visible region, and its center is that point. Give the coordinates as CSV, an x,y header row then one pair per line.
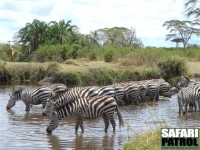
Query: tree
x,y
192,8
181,30
32,35
117,36
61,32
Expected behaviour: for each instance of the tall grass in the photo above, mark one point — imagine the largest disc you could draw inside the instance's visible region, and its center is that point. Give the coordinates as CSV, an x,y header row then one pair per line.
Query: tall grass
x,y
148,140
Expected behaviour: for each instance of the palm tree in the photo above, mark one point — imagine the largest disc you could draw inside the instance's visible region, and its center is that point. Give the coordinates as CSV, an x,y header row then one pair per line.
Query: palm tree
x,y
32,35
61,32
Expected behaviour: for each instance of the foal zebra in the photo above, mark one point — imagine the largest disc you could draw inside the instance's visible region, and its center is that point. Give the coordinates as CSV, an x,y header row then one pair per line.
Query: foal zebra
x,y
101,106
30,96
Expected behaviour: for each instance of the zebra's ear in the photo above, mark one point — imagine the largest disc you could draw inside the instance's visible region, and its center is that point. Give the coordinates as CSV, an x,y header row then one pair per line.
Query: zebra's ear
x,y
187,78
10,95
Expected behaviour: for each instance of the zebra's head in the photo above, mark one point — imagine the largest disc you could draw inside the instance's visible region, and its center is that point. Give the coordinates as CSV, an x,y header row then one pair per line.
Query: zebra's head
x,y
53,124
48,109
15,96
183,82
183,111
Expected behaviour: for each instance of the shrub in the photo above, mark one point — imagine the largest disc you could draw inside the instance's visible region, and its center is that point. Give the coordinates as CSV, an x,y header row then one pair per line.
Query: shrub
x,y
103,76
171,67
57,53
108,57
52,69
93,55
4,74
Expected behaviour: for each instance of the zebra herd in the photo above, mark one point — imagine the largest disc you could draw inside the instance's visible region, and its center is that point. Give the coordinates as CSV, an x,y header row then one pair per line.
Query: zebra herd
x,y
89,102
188,95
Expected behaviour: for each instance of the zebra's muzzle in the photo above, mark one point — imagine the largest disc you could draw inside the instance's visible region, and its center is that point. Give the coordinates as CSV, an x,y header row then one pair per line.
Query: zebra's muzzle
x,y
48,131
44,114
7,107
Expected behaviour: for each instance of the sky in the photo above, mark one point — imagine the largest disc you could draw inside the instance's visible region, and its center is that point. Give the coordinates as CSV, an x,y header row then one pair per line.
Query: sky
x,y
146,16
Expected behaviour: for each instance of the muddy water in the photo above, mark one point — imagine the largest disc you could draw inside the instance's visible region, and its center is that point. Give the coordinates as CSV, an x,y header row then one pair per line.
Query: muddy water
x,y
19,129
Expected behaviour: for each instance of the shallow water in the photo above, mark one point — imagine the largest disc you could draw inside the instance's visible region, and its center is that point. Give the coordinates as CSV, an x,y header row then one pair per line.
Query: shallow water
x,y
19,129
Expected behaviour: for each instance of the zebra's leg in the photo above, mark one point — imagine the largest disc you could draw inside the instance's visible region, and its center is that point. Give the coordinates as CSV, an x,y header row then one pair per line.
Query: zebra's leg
x,y
186,105
195,106
78,122
112,121
27,106
81,125
199,104
106,122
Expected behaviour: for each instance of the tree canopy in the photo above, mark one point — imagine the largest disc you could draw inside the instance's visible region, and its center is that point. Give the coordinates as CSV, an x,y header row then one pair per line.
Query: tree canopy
x,y
117,36
181,31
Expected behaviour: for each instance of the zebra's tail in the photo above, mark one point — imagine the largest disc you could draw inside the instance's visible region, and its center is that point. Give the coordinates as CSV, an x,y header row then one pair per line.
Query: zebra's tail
x,y
121,121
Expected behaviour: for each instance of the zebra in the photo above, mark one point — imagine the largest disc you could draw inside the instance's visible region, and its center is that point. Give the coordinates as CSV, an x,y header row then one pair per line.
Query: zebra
x,y
182,98
164,87
186,82
151,91
133,93
92,108
120,94
30,96
57,88
70,95
189,95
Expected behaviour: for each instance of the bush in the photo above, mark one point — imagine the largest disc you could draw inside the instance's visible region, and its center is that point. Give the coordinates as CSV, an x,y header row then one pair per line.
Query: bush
x,y
57,53
108,57
93,55
171,67
52,69
103,76
4,74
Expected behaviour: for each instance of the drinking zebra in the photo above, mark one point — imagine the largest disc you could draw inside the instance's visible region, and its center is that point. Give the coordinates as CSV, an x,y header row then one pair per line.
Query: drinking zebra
x,y
189,95
133,92
120,94
151,92
30,96
92,108
57,88
70,95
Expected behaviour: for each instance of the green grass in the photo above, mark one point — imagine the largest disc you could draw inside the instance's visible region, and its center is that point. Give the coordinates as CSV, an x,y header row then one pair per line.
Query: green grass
x,y
149,140
86,72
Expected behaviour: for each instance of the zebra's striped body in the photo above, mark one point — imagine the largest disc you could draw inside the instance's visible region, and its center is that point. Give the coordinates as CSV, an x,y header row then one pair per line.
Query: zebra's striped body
x,y
106,91
92,108
164,87
151,92
71,95
189,95
30,96
120,94
57,88
133,93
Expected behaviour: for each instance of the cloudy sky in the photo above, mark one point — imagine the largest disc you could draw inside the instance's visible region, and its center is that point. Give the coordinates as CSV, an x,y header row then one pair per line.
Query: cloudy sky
x,y
146,16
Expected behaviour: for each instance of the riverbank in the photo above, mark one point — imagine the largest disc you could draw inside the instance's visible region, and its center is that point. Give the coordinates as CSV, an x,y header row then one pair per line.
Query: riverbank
x,y
83,72
75,73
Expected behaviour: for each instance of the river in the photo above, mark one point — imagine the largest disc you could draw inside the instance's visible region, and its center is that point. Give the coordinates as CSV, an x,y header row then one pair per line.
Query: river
x,y
27,130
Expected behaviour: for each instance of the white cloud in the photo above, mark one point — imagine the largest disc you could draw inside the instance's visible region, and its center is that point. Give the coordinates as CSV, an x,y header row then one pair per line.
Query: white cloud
x,y
146,16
